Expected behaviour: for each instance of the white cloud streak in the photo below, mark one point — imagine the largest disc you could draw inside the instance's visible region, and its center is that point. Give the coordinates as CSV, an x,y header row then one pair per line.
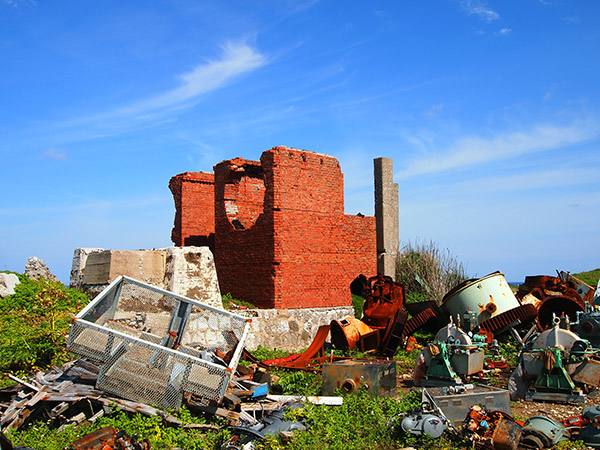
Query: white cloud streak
x,y
480,9
472,151
237,60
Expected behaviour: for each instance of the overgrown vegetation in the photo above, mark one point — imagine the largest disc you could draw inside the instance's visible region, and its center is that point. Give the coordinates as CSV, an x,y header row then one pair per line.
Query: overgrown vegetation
x,y
42,437
428,271
34,324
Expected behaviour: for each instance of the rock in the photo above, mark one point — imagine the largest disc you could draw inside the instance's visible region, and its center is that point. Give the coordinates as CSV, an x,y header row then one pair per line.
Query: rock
x,y
35,268
8,281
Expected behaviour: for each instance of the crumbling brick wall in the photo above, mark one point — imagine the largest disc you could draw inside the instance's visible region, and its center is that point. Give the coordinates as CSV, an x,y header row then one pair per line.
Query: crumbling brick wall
x,y
282,239
193,193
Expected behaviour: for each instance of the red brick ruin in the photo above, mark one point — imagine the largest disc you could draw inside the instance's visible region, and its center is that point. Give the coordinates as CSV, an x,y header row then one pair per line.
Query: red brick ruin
x,y
277,228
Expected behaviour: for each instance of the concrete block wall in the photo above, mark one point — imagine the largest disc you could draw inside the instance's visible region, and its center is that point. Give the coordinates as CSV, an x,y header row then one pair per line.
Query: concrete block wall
x,y
188,271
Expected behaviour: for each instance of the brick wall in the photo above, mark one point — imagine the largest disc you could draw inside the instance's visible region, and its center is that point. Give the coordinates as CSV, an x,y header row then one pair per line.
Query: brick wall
x,y
282,239
194,224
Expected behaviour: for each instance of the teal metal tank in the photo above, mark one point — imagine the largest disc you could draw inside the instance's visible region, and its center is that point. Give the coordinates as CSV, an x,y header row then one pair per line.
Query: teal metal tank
x,y
487,297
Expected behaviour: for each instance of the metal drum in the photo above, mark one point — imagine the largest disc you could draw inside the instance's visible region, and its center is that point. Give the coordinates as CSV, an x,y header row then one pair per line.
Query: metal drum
x,y
488,297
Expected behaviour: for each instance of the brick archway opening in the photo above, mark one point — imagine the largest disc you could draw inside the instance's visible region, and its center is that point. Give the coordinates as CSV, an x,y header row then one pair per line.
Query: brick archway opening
x,y
244,196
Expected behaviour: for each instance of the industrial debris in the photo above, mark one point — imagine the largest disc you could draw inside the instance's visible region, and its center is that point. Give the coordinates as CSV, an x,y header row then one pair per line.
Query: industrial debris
x,y
564,295
142,346
556,365
154,346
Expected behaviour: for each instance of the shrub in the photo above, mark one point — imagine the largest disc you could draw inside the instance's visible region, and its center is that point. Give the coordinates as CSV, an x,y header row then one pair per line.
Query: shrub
x,y
34,323
428,271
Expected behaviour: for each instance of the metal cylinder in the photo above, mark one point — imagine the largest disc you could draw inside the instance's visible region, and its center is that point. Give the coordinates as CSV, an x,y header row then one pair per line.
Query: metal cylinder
x,y
488,297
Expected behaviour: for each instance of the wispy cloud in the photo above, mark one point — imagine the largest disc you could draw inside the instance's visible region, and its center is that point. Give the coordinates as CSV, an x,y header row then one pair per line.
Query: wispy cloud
x,y
53,153
473,151
17,3
504,31
480,9
551,178
236,60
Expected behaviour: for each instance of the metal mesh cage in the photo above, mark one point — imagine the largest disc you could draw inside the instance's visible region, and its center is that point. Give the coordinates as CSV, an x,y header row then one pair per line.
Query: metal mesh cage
x,y
154,346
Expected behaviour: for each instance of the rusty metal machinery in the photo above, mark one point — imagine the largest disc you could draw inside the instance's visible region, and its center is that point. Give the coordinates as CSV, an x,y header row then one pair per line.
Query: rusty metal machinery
x,y
109,438
560,295
491,429
382,326
554,366
377,377
489,303
508,320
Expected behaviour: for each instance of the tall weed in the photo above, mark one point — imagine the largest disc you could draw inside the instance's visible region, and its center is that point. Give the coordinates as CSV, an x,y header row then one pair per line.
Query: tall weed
x,y
428,271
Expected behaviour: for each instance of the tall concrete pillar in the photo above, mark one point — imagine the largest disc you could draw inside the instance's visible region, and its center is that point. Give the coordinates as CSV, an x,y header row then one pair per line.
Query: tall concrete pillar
x,y
386,216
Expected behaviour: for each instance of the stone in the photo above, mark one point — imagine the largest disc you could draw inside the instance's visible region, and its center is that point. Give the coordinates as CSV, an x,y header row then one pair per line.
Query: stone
x,y
191,272
8,281
80,256
36,268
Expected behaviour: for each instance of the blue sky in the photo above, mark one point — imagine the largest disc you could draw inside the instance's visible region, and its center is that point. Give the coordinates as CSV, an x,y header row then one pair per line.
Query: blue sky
x,y
490,111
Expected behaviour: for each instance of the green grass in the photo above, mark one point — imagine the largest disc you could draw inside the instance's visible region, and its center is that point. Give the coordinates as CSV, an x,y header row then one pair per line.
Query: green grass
x,y
590,277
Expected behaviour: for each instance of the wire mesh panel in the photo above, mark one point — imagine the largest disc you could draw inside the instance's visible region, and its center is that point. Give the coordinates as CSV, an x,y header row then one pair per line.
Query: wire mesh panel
x,y
153,345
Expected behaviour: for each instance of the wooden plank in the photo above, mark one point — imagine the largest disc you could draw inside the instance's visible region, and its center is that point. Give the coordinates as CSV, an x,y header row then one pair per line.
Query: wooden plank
x,y
221,412
22,382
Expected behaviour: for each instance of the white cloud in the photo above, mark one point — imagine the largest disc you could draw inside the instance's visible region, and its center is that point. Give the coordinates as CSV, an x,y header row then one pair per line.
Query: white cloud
x,y
17,3
53,153
236,60
552,178
471,151
480,9
504,31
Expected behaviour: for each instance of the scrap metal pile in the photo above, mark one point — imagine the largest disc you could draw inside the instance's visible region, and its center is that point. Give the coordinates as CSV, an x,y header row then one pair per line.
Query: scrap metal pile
x,y
143,346
495,429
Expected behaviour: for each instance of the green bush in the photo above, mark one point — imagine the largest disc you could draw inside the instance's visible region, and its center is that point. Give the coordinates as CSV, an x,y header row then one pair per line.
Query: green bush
x,y
34,324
